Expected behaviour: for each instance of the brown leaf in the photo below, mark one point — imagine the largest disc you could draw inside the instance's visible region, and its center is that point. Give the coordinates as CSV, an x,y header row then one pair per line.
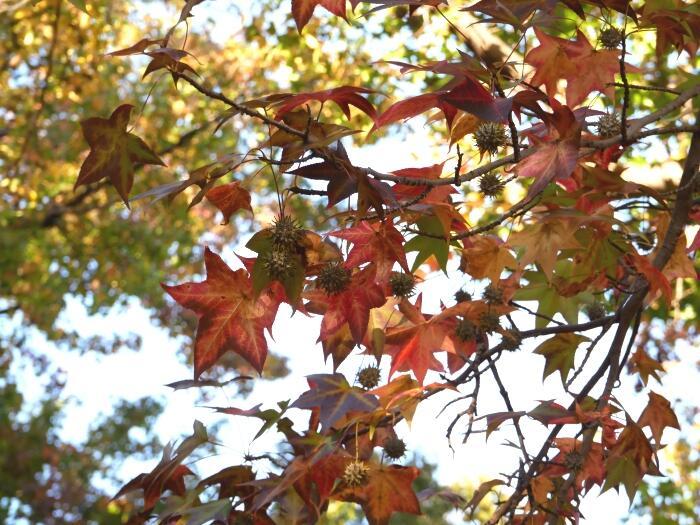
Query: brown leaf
x,y
658,415
114,152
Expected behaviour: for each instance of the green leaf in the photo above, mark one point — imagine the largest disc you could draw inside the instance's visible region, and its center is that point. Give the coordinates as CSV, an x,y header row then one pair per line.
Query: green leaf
x,y
80,4
270,417
559,353
550,301
621,470
427,246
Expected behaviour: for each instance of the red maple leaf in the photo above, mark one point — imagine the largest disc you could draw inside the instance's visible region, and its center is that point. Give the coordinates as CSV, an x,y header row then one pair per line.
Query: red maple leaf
x,y
379,242
550,60
464,92
555,160
344,97
412,345
584,68
351,306
230,316
413,106
594,70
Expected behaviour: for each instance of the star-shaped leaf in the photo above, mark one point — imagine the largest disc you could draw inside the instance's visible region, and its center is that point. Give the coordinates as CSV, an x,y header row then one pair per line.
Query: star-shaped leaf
x,y
550,61
543,240
430,244
595,71
229,198
334,398
486,256
550,301
231,317
584,68
114,152
351,306
388,489
378,242
646,366
559,353
658,415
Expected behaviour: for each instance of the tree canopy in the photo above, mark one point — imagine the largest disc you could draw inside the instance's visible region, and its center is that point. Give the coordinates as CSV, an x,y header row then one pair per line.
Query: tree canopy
x,y
229,176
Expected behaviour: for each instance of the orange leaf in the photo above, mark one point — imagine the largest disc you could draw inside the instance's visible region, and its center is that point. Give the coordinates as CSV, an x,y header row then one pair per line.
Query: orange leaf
x,y
543,240
388,490
487,256
658,283
658,415
550,60
229,198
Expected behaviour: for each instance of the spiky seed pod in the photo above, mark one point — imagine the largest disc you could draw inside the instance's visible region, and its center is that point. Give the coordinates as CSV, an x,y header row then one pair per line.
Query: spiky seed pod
x,y
394,448
465,330
573,460
490,136
369,377
511,340
286,233
402,284
491,184
278,263
608,125
489,322
333,278
610,37
492,294
595,311
462,296
355,474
